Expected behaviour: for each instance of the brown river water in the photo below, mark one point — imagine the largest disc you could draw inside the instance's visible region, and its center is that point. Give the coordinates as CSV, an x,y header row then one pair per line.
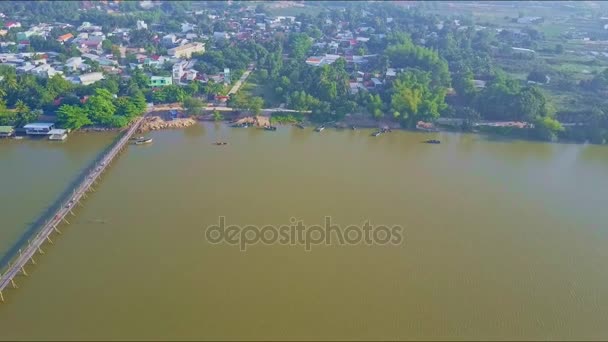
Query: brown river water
x,y
501,240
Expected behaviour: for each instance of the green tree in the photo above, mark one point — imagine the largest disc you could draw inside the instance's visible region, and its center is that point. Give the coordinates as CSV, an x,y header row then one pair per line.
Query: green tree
x,y
256,104
217,116
126,107
23,114
414,98
100,107
546,128
72,117
193,106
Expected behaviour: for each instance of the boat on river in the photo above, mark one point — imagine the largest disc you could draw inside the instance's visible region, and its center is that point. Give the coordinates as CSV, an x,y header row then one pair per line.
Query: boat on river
x,y
300,126
143,141
320,128
433,141
220,143
375,134
270,128
241,125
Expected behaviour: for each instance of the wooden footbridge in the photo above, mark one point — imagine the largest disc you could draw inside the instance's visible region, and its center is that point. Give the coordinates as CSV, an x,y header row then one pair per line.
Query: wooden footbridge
x,y
26,254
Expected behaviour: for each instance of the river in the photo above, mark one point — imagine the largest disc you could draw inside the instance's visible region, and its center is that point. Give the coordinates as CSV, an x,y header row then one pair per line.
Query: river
x,y
502,239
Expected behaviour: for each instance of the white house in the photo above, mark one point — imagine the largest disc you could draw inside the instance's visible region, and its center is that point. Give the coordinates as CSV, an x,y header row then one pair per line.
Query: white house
x,y
90,78
220,35
39,128
187,27
141,25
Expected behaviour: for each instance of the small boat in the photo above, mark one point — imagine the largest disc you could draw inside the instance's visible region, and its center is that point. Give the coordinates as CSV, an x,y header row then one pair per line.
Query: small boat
x,y
353,128
138,138
18,137
270,128
319,129
375,134
433,141
241,125
143,141
220,143
300,126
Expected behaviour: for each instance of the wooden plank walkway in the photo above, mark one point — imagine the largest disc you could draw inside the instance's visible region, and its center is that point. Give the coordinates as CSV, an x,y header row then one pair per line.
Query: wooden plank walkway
x,y
34,245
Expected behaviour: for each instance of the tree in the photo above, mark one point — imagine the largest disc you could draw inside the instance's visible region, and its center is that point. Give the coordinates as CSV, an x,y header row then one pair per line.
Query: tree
x,y
100,107
126,107
256,104
23,114
193,106
217,116
72,117
546,128
414,99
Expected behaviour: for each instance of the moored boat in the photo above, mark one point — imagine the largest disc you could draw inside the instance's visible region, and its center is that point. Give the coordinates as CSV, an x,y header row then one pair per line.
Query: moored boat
x,y
270,128
300,126
319,129
143,141
433,141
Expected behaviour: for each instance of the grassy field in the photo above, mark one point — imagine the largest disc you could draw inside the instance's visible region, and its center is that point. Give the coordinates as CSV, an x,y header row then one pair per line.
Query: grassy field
x,y
255,88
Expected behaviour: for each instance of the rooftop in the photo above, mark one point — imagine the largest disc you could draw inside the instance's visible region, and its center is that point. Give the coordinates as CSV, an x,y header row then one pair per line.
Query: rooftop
x,y
6,129
46,125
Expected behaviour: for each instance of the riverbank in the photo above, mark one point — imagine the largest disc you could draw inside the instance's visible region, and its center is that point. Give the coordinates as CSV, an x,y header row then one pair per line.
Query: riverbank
x,y
154,123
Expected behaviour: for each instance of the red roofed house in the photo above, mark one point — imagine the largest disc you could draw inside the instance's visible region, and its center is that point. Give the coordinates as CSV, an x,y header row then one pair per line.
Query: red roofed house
x,y
64,38
12,24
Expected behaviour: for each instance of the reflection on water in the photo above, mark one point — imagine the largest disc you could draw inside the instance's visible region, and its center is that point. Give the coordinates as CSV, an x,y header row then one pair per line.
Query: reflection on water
x,y
502,241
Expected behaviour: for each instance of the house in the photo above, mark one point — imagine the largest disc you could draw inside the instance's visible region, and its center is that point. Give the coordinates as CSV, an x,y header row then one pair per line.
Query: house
x,y
45,70
64,38
169,40
159,81
322,60
177,72
517,49
479,84
75,63
91,44
141,25
38,128
186,51
391,73
220,36
376,82
86,26
90,78
58,134
187,27
191,75
6,131
12,24
26,67
227,75
530,20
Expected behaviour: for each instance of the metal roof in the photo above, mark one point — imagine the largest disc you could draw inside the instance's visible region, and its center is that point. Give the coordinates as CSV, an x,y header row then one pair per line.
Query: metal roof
x,y
46,125
6,129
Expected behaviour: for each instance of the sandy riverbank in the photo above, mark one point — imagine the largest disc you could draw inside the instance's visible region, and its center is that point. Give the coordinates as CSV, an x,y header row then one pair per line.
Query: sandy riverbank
x,y
153,123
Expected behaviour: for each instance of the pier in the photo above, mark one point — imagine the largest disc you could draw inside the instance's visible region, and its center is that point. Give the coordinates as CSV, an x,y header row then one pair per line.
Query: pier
x,y
26,254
